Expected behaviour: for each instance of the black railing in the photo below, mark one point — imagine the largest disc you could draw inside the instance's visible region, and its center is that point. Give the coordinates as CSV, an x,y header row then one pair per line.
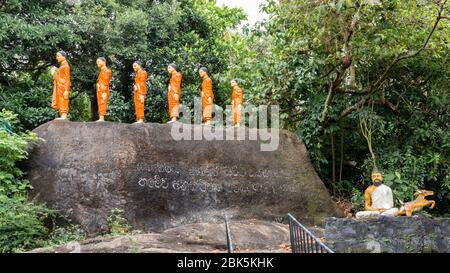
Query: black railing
x,y
302,240
229,238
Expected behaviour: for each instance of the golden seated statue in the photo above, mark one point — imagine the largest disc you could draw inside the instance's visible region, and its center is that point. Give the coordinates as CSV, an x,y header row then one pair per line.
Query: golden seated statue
x,y
378,199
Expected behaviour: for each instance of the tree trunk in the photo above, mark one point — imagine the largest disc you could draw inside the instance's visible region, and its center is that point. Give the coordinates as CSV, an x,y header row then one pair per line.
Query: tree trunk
x,y
333,163
94,107
341,162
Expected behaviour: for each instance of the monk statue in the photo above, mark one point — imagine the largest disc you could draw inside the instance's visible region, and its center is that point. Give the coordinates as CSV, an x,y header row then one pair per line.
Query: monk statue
x,y
61,86
378,199
237,98
104,78
174,92
140,91
207,96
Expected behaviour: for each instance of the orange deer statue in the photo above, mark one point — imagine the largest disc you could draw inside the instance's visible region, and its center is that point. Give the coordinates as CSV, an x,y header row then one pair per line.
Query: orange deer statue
x,y
417,204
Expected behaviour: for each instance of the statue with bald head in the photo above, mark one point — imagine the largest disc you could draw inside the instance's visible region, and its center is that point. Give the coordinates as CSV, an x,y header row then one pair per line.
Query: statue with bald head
x,y
207,95
140,91
61,88
103,81
174,91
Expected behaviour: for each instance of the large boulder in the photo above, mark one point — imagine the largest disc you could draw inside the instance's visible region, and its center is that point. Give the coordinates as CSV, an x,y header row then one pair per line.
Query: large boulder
x,y
85,170
247,236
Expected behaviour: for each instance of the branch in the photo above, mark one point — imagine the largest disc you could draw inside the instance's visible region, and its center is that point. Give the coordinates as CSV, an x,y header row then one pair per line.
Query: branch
x,y
344,65
410,54
332,88
363,102
331,70
373,87
350,91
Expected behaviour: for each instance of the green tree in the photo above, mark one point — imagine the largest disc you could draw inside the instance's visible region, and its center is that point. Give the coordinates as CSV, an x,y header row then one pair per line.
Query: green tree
x,y
327,63
186,32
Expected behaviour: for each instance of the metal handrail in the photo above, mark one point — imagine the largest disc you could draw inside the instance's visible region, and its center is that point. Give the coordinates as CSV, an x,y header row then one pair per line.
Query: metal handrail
x,y
229,238
303,241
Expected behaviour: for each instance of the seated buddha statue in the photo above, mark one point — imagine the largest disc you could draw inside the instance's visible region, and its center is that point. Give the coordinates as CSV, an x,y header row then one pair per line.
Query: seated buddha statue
x,y
378,199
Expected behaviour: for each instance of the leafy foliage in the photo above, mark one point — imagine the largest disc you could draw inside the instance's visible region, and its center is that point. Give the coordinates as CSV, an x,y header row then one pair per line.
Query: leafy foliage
x,y
12,150
327,62
21,224
117,223
63,235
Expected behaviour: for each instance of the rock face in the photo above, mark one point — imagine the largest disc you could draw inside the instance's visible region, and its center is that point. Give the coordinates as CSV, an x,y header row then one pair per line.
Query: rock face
x,y
85,170
388,234
247,236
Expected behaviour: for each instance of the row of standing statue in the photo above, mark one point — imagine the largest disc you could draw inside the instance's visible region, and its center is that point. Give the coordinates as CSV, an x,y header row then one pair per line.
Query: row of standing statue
x,y
61,91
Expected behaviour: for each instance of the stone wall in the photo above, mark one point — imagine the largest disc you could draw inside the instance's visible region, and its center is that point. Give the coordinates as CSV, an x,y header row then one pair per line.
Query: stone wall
x,y
415,234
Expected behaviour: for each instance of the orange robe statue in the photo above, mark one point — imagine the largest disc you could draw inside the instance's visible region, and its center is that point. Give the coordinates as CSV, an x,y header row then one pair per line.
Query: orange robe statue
x,y
61,89
103,81
140,91
207,96
174,92
237,100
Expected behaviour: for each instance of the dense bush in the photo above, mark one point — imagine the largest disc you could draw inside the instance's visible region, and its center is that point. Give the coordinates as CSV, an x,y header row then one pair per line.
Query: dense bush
x,y
117,224
22,223
12,149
